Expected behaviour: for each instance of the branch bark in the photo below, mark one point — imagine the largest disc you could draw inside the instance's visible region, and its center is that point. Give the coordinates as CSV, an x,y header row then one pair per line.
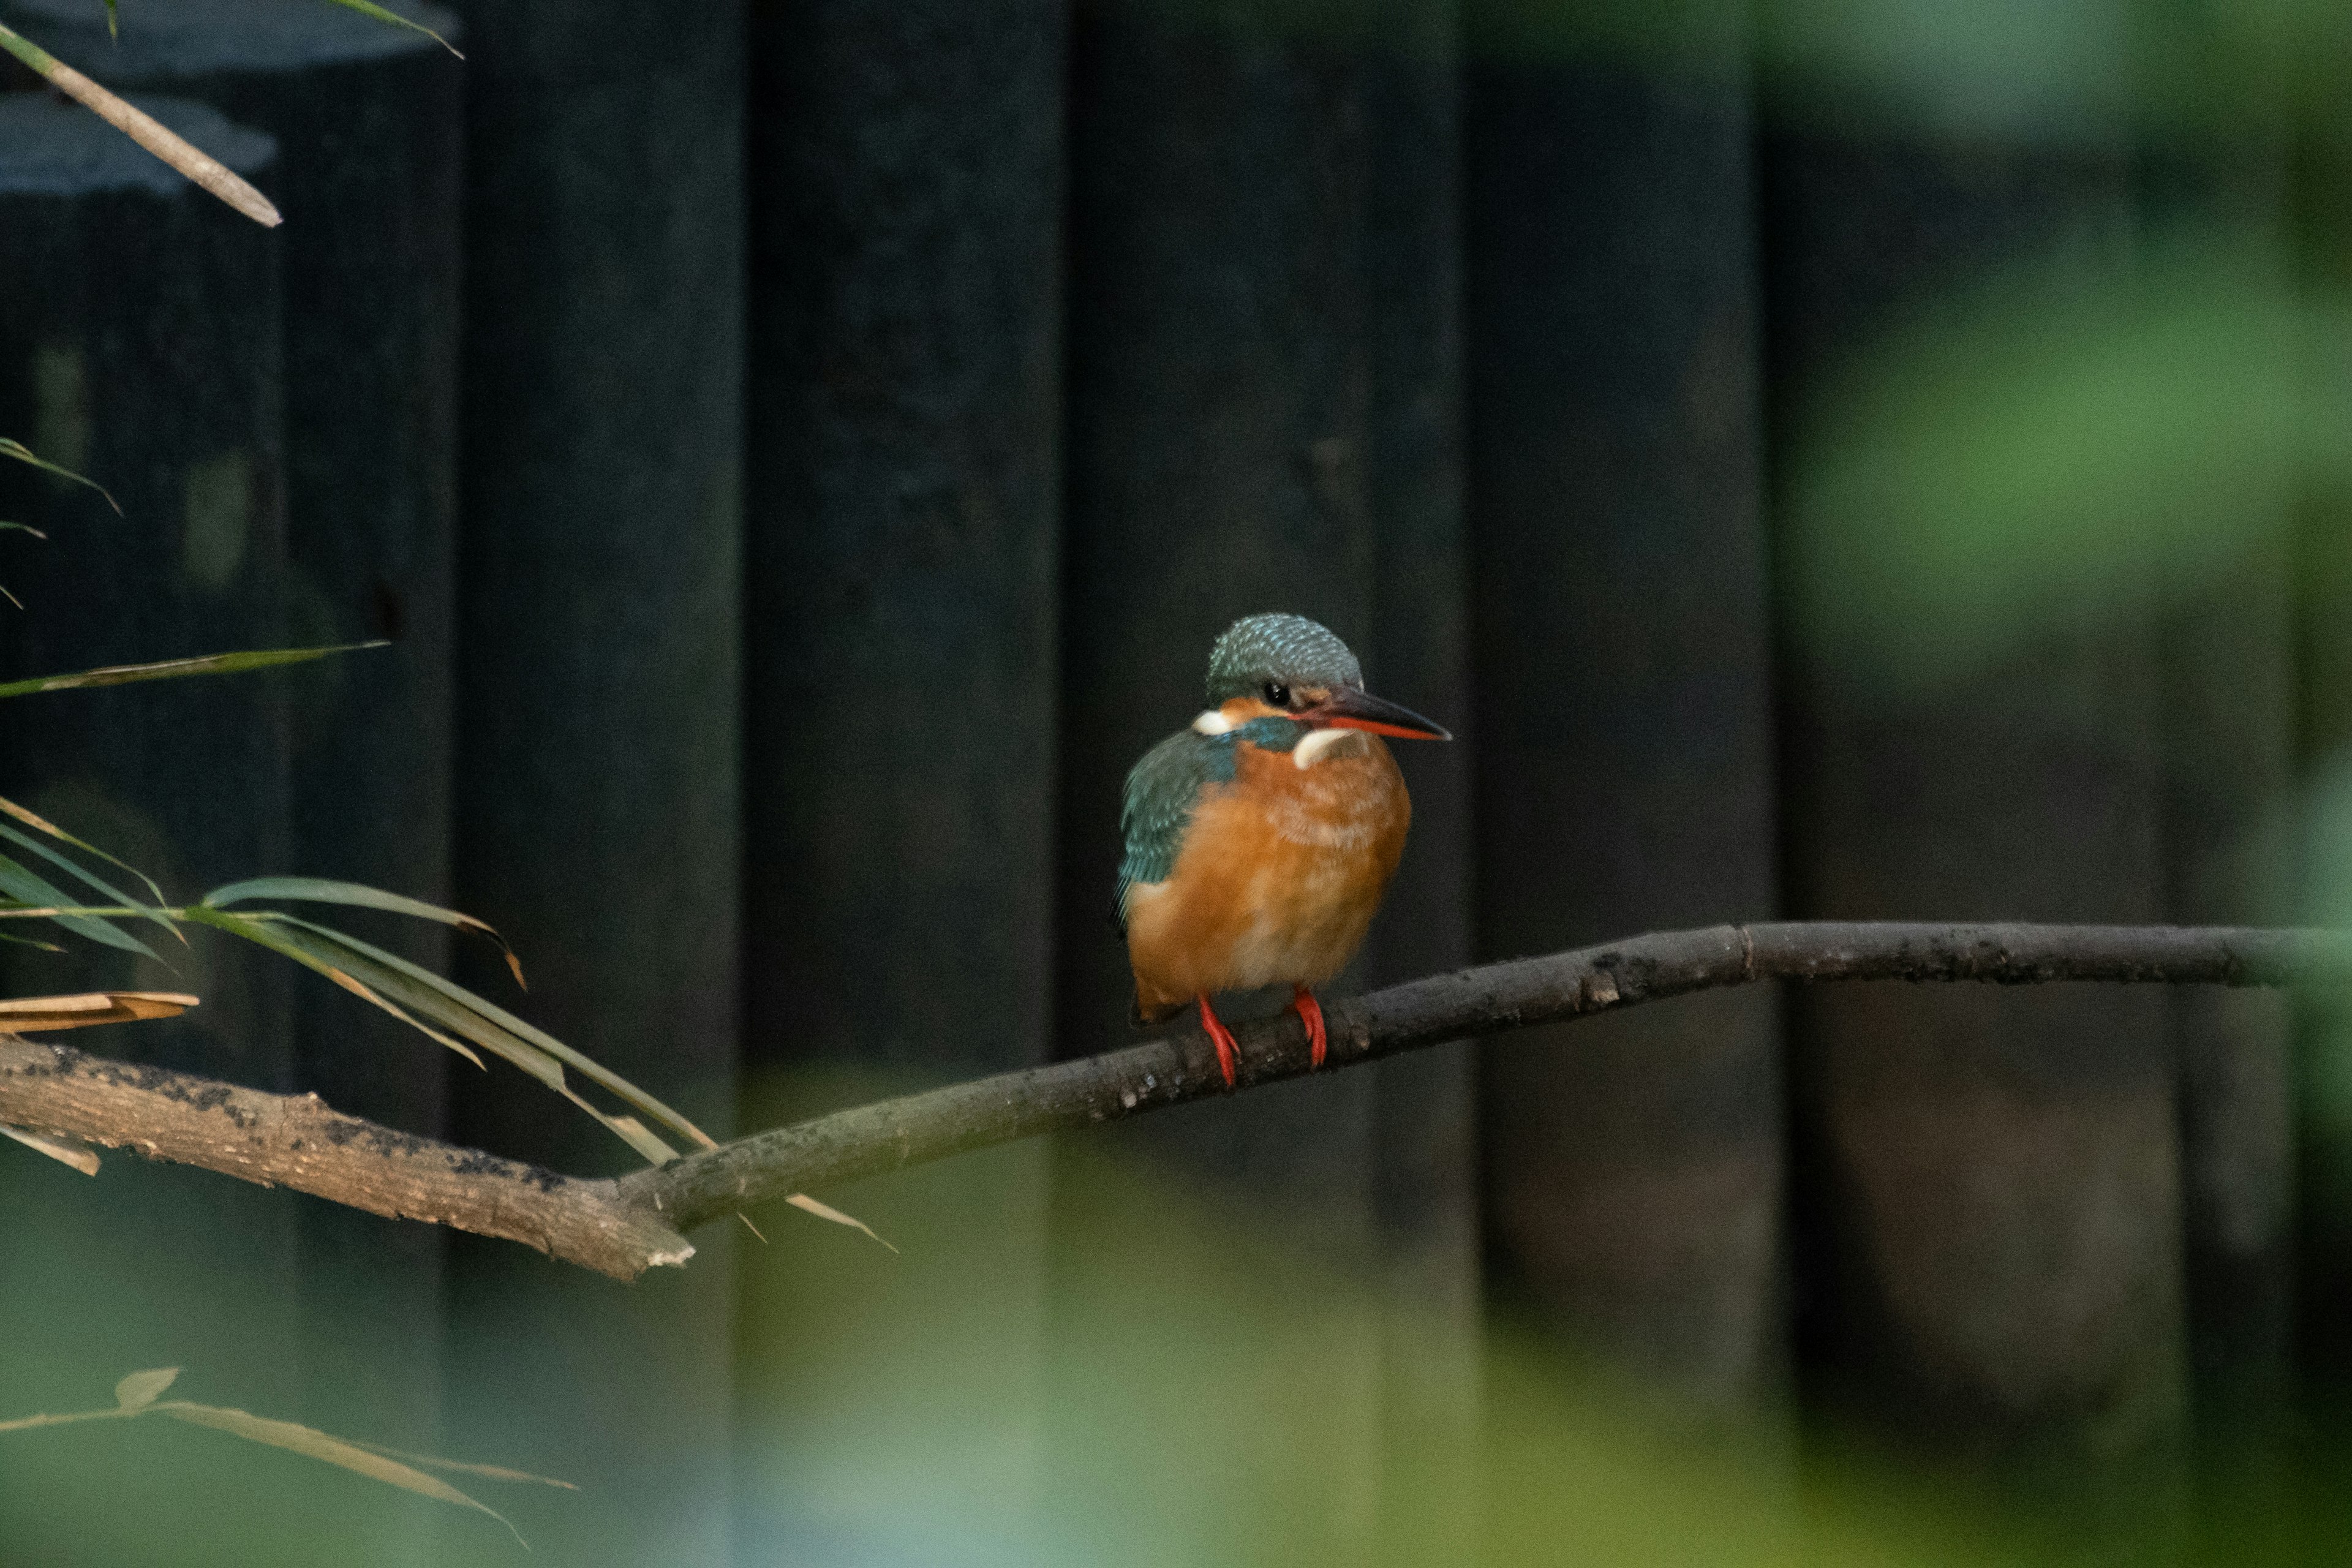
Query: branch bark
x,y
622,1227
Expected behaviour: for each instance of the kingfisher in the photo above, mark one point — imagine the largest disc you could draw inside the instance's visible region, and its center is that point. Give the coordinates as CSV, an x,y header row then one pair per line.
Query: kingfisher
x,y
1259,841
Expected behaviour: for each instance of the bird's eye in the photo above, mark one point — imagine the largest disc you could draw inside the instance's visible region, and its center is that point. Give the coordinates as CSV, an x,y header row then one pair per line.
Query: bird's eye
x,y
1278,693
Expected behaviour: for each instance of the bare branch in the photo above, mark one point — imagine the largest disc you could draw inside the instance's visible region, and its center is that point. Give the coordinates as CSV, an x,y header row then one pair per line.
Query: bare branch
x,y
625,1226
295,1141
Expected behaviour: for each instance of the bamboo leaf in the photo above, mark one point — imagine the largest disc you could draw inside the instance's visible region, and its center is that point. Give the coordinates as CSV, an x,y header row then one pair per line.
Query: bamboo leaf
x,y
488,1472
191,160
315,890
24,454
64,1151
172,669
314,1444
47,1015
43,825
143,1388
331,965
540,1038
89,877
826,1211
26,888
368,8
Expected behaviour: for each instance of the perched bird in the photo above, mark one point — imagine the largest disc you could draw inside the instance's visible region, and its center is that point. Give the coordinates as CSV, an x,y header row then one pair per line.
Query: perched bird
x,y
1259,841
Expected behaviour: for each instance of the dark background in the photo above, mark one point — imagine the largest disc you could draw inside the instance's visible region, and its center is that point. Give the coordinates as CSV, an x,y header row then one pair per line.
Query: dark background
x,y
1859,460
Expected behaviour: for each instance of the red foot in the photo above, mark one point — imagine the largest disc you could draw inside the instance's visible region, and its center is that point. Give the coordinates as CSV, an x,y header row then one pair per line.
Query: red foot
x,y
1310,1012
1228,1051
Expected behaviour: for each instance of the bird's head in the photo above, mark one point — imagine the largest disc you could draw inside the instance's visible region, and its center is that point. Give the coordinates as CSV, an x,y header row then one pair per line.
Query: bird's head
x,y
1287,667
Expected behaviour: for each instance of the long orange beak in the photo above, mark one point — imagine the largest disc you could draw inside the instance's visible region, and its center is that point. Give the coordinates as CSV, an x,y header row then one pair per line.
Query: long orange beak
x,y
1351,709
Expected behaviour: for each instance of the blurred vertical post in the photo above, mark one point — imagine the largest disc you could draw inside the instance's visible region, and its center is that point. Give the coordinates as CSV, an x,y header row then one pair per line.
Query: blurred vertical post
x,y
1989,1206
1424,1108
598,616
1226,437
2319,196
140,345
904,492
2214,212
1624,691
367,118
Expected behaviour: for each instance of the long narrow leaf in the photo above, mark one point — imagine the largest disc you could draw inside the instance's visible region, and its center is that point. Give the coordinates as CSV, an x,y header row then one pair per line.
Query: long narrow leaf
x,y
455,1008
42,825
488,1472
370,976
137,1395
24,454
25,886
46,1014
593,1071
318,1444
368,8
326,963
88,877
172,669
319,890
191,160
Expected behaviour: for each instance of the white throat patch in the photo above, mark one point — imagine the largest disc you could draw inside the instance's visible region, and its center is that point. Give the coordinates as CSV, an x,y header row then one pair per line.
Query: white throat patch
x,y
1324,744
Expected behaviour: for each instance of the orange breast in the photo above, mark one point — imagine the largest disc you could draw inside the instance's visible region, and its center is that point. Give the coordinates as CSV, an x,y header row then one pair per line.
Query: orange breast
x,y
1277,880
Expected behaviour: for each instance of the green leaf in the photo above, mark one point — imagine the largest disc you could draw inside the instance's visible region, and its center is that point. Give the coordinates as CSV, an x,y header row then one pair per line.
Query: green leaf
x,y
315,890
172,669
42,825
6,527
26,888
85,877
25,454
314,1444
593,1071
335,966
145,1387
367,8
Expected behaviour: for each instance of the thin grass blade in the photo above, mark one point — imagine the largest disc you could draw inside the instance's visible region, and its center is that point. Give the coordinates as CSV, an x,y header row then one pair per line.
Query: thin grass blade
x,y
8,527
328,963
88,877
24,454
43,825
191,160
173,669
314,1444
488,1472
368,8
319,890
25,887
494,1014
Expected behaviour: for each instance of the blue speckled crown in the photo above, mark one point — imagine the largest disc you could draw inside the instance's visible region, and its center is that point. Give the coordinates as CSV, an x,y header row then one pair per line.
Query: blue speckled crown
x,y
1288,649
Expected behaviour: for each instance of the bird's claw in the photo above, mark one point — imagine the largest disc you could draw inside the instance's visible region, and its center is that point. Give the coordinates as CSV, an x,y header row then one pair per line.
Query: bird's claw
x,y
1229,1051
1310,1013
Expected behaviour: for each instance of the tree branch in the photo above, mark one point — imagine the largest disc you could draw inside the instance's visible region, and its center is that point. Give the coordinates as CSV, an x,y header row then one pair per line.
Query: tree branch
x,y
621,1228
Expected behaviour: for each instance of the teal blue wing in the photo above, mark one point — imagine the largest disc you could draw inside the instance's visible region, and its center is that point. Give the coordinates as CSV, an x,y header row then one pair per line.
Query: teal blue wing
x,y
1161,791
